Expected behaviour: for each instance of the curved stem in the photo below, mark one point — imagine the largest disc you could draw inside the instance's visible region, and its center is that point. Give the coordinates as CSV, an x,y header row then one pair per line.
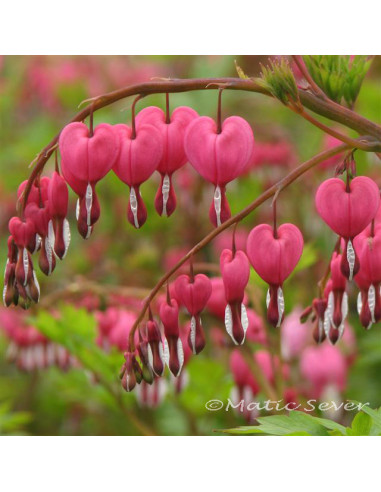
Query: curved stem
x,y
306,74
323,107
276,188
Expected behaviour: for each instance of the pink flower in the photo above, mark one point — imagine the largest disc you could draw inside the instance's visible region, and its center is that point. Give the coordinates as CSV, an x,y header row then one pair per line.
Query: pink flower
x,y
86,159
194,294
347,211
294,335
173,157
138,158
58,199
219,157
337,300
368,278
323,366
173,348
235,270
274,259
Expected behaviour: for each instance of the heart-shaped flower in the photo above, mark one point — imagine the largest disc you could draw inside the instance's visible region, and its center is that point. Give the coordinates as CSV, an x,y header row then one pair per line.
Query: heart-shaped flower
x,y
139,156
347,209
172,134
85,160
194,295
368,278
58,200
235,270
274,258
173,348
219,157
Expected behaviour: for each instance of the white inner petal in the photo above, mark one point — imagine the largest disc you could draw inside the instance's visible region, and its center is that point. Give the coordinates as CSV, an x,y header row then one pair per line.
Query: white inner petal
x,y
351,257
180,354
51,235
134,206
193,334
66,235
77,210
344,306
280,301
244,321
165,192
26,265
372,301
38,242
268,297
229,322
89,202
49,254
166,352
217,204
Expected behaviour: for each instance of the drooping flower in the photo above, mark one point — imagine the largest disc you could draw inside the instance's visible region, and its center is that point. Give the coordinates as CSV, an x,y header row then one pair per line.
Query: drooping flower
x,y
173,157
337,300
85,160
348,209
219,157
131,372
194,294
368,278
139,155
10,291
274,258
155,347
173,347
235,270
40,217
59,229
23,233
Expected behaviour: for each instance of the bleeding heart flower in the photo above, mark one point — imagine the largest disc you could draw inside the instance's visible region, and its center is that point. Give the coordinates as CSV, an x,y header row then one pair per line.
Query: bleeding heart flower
x,y
368,278
131,373
138,158
173,348
10,292
235,270
172,135
85,160
59,229
348,209
26,281
194,294
337,301
155,347
219,157
274,257
41,218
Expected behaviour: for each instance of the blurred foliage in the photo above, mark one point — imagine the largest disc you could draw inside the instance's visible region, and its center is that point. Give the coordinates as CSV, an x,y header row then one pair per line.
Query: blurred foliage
x,y
37,97
340,77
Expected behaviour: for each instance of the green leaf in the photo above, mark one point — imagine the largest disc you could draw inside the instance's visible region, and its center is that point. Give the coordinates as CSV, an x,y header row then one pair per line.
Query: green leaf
x,y
361,425
296,423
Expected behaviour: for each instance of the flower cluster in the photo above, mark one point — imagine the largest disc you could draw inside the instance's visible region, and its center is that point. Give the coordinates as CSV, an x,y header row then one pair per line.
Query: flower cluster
x,y
42,228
